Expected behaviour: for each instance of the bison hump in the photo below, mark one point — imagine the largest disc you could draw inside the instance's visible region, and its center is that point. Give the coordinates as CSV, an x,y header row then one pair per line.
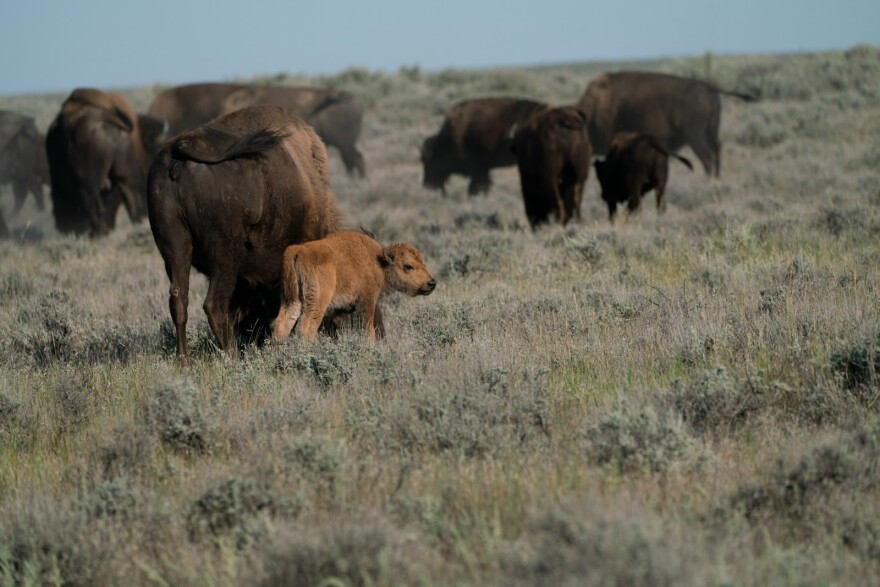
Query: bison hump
x,y
213,145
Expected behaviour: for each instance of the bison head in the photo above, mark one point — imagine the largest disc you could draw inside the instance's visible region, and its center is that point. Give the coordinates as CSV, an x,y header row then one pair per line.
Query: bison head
x,y
435,165
405,270
153,132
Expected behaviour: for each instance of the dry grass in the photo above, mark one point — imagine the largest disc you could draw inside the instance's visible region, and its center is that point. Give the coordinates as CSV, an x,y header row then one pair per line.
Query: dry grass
x,y
681,399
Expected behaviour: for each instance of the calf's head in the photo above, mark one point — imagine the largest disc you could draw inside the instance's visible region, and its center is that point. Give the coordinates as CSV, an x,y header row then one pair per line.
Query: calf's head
x,y
405,270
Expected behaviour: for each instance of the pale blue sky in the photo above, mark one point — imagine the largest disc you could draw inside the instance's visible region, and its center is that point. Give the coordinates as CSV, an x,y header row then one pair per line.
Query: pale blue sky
x,y
56,45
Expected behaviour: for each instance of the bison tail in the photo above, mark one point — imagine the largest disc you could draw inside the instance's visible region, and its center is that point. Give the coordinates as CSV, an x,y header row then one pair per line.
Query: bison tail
x,y
330,99
216,146
684,160
290,276
741,96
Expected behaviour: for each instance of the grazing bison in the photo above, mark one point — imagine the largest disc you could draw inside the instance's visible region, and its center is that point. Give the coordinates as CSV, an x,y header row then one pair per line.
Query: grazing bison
x,y
188,106
635,164
678,111
343,270
98,151
475,137
553,155
228,198
335,116
23,161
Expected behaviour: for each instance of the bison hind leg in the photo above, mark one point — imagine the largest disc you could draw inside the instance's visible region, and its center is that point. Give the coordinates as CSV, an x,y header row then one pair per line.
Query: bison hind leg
x,y
317,288
217,307
178,260
287,318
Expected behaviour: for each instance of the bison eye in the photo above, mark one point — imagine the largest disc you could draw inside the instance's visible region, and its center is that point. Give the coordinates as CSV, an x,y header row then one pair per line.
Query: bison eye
x,y
408,267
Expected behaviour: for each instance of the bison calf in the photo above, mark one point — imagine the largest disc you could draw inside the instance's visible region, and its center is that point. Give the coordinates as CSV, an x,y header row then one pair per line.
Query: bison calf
x,y
345,270
635,164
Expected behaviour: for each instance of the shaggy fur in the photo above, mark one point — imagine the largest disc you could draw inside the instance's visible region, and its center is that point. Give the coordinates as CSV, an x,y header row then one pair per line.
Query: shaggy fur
x,y
341,271
228,198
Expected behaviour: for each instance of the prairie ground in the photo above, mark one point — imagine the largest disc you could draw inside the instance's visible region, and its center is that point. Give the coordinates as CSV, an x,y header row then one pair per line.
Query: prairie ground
x,y
680,399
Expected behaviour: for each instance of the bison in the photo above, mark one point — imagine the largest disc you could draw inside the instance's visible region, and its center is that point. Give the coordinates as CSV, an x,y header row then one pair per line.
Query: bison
x,y
677,111
345,269
228,198
335,116
23,161
98,151
635,164
553,156
185,107
474,138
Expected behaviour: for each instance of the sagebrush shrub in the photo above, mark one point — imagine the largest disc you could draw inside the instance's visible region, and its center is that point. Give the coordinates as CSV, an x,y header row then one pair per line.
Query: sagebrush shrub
x,y
838,472
565,544
495,412
344,549
174,413
228,508
640,439
858,363
329,362
46,330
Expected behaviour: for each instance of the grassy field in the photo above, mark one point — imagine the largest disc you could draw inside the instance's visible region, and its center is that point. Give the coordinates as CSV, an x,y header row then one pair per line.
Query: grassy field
x,y
686,399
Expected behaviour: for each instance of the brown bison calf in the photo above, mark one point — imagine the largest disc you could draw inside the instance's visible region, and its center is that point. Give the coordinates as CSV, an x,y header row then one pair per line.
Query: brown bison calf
x,y
635,164
345,270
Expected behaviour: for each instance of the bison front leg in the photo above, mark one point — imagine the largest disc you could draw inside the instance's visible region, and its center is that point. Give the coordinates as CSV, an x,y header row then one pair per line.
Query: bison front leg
x,y
370,318
217,304
96,211
480,182
378,323
612,210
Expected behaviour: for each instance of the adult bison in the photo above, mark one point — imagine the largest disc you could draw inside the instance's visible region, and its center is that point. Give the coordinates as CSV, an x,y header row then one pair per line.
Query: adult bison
x,y
185,107
335,116
553,153
678,111
23,162
635,164
98,151
228,198
474,138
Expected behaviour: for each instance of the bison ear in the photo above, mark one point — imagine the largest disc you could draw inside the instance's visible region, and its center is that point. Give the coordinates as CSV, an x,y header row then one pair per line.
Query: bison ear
x,y
387,257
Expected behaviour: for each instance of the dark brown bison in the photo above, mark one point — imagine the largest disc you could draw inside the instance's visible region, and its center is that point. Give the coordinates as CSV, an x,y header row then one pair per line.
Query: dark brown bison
x,y
635,164
228,198
98,151
188,106
23,162
553,155
335,116
678,111
474,138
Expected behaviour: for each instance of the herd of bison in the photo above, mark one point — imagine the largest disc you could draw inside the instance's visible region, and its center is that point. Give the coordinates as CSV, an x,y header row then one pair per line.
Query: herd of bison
x,y
232,176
